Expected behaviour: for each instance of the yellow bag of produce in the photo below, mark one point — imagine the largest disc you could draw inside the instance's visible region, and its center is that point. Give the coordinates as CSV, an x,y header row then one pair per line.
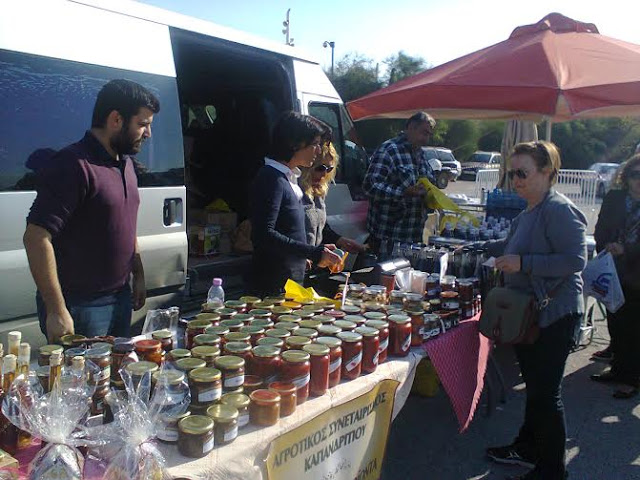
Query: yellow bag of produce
x,y
437,200
298,292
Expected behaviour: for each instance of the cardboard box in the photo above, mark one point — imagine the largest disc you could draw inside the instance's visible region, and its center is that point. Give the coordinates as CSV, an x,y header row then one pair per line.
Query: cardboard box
x,y
204,240
228,221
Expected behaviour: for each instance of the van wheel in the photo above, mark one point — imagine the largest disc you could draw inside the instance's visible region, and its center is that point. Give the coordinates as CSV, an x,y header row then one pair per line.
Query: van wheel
x,y
442,181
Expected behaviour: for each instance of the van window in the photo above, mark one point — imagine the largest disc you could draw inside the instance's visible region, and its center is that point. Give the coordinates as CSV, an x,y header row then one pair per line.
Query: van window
x,y
353,158
46,104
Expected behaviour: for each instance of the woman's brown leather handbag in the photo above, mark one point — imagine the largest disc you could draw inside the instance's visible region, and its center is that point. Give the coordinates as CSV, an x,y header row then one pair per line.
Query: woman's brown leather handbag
x,y
510,316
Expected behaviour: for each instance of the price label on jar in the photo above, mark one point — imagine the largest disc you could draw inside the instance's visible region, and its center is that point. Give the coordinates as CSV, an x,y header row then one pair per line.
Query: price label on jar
x,y
210,395
301,381
208,445
233,382
231,434
354,362
243,420
335,365
384,344
375,358
168,435
406,345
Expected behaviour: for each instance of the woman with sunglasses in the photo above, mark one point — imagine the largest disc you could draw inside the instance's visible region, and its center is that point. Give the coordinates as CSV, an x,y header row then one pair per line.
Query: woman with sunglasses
x,y
278,234
315,183
543,254
618,232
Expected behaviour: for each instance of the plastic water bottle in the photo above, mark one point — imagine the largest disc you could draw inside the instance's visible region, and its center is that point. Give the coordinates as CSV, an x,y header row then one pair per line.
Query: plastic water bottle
x,y
215,297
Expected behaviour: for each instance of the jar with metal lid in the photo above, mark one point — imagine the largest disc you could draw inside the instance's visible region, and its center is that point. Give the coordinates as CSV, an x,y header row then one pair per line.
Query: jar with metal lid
x,y
238,305
177,354
337,314
326,305
45,353
307,332
293,305
371,295
292,318
296,369
465,290
167,431
188,364
275,300
434,305
264,305
239,349
432,326
449,300
212,317
71,340
417,326
206,385
311,323
265,362
354,294
345,325
172,379
357,319
335,358
413,301
264,408
255,332
250,301
138,370
195,436
181,332
399,335
276,342
291,327
261,313
121,355
166,339
328,330
351,355
220,331
226,313
98,400
433,286
396,297
239,401
448,283
306,314
242,337
383,331
279,311
265,323
375,316
208,353
319,360
195,327
466,310
150,351
245,318
232,369
297,342
351,309
372,306
315,309
75,352
101,357
288,399
225,423
209,339
278,333
370,348
232,324
325,319
251,383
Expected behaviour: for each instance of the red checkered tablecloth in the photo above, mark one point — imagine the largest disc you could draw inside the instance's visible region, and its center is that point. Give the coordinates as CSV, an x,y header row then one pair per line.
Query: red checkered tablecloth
x,y
460,358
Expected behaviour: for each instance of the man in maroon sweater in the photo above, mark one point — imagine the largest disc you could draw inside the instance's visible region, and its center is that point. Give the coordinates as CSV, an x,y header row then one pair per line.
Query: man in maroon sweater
x,y
81,231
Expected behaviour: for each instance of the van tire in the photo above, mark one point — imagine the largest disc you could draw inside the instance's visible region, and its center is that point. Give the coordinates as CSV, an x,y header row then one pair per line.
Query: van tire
x,y
442,180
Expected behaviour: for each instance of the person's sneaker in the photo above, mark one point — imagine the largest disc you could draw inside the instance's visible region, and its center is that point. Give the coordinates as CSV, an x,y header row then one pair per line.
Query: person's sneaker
x,y
513,454
605,355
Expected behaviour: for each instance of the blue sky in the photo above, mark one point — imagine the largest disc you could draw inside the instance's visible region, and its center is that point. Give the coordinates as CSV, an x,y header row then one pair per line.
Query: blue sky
x,y
438,31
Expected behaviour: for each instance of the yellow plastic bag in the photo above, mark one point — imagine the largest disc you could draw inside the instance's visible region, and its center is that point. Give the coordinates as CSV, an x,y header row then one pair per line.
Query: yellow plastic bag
x,y
218,205
426,382
298,292
437,200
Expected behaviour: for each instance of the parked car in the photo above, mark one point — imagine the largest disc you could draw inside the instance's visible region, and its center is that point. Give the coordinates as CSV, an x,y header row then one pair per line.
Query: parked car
x,y
606,173
447,159
480,161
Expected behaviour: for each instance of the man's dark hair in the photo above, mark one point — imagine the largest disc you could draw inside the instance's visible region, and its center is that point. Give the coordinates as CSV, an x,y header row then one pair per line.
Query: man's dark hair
x,y
292,132
125,97
421,117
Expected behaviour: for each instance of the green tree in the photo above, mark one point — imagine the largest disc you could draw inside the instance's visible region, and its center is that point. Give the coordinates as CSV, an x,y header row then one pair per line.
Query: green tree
x,y
401,65
355,76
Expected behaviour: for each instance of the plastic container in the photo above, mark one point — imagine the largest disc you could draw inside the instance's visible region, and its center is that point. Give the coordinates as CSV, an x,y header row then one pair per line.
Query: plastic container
x,y
215,296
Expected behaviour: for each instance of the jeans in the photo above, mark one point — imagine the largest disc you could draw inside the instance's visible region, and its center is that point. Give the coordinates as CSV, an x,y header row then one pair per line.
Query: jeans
x,y
624,329
542,365
106,315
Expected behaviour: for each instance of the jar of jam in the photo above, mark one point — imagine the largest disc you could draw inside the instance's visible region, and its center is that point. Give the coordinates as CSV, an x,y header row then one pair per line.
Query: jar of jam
x,y
296,369
279,311
232,324
71,341
251,383
226,313
167,431
211,317
293,305
206,385
357,319
121,355
417,326
76,352
306,314
355,292
261,314
335,358
245,318
264,409
208,353
370,348
307,332
209,339
265,362
255,333
98,402
328,330
150,351
433,286
312,324
288,399
466,310
337,314
399,335
326,304
383,331
293,318
351,309
242,337
448,283
250,301
465,290
45,353
371,295
177,354
296,342
434,305
345,325
181,332
324,319
195,436
413,301
449,300
275,300
278,333
239,349
372,306
319,360
232,369
265,323
101,357
351,355
265,304
165,338
195,327
138,370
170,378
291,327
239,401
225,423
396,297
188,364
238,305
432,326
275,342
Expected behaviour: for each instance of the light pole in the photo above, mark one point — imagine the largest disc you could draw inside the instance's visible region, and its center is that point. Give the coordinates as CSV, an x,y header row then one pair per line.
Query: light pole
x,y
332,45
287,29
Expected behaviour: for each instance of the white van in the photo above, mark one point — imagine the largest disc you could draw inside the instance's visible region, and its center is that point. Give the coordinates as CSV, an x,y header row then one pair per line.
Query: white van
x,y
220,91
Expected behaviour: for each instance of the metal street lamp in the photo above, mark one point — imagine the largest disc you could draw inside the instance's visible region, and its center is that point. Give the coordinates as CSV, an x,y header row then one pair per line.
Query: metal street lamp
x,y
332,45
287,29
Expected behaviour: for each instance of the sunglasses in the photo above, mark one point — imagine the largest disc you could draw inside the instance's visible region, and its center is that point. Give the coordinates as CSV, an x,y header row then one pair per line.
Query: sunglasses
x,y
521,174
634,175
324,168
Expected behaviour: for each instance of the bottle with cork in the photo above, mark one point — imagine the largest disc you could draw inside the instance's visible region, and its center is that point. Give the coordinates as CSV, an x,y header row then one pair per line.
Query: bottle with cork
x,y
14,337
24,358
8,431
55,369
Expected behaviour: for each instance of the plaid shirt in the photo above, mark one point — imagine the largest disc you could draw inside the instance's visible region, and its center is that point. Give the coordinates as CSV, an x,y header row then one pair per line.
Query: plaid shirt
x,y
393,168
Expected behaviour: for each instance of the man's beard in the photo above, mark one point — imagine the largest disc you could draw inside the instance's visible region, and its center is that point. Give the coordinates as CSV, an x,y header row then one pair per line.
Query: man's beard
x,y
124,144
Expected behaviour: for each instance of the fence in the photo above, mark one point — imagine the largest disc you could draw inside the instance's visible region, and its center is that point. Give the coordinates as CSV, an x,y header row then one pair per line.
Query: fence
x,y
578,185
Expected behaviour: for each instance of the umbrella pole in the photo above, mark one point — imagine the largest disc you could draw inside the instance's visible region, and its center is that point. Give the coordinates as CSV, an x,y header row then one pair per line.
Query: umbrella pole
x,y
547,133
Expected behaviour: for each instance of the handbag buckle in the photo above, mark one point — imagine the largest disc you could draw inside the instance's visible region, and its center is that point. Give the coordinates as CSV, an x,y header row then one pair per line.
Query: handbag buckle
x,y
544,303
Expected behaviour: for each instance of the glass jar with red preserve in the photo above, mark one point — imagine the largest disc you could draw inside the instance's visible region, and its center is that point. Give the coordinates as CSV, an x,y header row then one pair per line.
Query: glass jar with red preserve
x,y
399,335
335,358
242,337
150,350
345,325
370,348
238,305
265,363
328,330
255,332
212,318
294,342
324,319
264,408
319,382
383,331
351,354
245,318
417,326
195,327
276,342
207,339
337,314
232,324
296,369
287,392
239,349
165,338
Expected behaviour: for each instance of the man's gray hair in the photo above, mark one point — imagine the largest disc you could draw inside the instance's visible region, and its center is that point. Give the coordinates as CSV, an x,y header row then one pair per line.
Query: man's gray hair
x,y
421,117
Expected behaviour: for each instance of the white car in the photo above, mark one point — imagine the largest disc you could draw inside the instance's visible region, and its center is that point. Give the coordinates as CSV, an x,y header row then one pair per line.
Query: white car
x,y
446,158
606,173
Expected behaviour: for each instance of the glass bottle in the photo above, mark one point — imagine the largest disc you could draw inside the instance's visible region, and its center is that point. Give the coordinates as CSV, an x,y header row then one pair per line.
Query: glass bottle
x,y
24,357
55,369
15,338
8,431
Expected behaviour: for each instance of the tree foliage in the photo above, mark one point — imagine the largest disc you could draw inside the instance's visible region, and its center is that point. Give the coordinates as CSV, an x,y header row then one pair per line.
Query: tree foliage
x,y
355,76
401,65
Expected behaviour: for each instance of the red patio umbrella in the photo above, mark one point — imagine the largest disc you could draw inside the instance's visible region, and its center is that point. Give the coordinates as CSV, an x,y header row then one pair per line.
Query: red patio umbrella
x,y
557,69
